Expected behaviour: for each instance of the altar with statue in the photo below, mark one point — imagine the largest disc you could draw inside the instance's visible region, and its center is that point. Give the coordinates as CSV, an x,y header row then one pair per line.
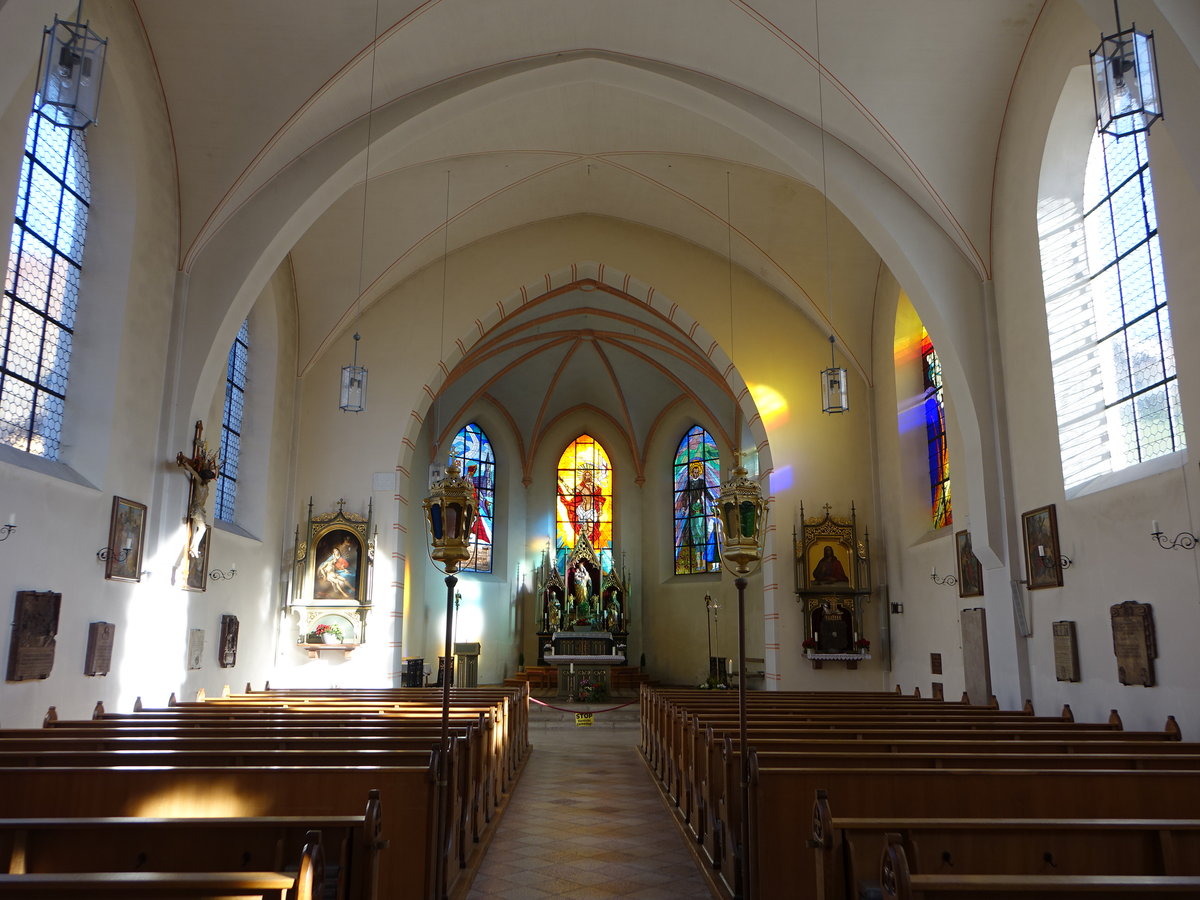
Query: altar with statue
x,y
583,628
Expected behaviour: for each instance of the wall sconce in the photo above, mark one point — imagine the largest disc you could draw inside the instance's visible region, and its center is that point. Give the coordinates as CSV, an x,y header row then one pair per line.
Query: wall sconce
x,y
219,575
106,553
1185,540
1062,562
6,530
949,580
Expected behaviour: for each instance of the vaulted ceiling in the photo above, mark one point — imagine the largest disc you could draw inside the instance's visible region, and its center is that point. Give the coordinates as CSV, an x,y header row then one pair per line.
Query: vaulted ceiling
x,y
704,119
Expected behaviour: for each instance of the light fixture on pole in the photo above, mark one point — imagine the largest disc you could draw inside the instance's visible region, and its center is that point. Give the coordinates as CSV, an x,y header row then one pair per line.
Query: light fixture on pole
x,y
1125,81
742,528
71,67
449,514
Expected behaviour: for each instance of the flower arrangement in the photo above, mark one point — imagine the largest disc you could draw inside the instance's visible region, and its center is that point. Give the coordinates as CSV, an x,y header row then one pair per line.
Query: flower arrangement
x,y
809,644
589,692
713,684
324,629
863,644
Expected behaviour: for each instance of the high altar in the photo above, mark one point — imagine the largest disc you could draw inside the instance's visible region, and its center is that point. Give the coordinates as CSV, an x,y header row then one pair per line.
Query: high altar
x,y
583,630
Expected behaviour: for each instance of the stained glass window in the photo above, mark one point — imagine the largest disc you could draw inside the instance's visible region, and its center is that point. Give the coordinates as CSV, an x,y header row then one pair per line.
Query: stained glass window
x,y
584,500
697,476
472,451
231,423
41,286
935,431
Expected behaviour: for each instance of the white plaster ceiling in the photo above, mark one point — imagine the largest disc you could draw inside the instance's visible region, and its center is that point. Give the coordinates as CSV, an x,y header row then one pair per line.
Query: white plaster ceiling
x,y
629,109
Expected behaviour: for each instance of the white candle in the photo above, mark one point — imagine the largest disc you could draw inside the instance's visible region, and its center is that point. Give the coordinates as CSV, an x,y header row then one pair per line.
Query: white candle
x,y
1154,527
572,668
128,544
1041,550
933,572
12,519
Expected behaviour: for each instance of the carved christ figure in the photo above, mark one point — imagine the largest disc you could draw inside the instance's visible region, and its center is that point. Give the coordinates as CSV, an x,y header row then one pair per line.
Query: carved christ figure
x,y
202,469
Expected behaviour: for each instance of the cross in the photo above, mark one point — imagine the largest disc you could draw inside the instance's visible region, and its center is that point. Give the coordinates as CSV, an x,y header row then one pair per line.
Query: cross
x,y
340,504
827,509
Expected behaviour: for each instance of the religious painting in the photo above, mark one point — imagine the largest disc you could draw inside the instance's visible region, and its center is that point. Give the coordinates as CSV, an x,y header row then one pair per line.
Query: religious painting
x,y
472,451
697,478
336,574
126,530
584,504
829,565
970,569
1040,528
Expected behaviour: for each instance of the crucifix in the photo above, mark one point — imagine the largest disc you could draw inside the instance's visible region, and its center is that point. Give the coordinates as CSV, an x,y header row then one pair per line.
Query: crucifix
x,y
202,468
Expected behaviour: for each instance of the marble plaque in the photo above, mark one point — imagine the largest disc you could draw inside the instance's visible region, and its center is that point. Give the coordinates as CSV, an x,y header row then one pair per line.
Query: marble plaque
x,y
1066,651
35,626
1133,642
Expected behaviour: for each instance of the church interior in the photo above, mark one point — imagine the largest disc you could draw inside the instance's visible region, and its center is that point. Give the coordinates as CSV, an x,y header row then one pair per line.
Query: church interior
x,y
299,261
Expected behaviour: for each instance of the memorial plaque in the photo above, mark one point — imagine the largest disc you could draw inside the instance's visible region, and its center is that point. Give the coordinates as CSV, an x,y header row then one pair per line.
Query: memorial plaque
x,y
1066,651
35,625
935,663
229,641
1133,642
195,647
97,659
976,667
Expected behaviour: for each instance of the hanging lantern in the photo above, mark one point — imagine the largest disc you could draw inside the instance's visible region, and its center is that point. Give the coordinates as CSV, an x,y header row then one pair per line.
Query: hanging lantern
x,y
1125,82
834,395
449,514
742,517
71,67
354,384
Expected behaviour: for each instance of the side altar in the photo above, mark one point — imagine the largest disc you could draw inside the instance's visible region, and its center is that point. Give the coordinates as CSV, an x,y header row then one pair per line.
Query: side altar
x,y
583,628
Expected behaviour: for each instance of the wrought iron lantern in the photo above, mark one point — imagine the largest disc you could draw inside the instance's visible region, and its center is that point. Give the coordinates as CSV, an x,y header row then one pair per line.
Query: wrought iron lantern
x,y
742,517
834,393
71,68
450,512
354,384
1125,82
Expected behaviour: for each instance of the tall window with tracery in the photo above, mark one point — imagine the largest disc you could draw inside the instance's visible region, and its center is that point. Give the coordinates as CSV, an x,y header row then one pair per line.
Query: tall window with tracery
x,y
935,432
41,284
231,423
472,451
697,479
585,494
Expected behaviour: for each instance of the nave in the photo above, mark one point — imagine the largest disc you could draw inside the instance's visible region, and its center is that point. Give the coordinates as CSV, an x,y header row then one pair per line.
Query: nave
x,y
586,820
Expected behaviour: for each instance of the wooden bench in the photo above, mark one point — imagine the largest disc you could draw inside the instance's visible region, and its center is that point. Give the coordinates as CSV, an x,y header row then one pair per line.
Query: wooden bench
x,y
848,849
898,883
183,884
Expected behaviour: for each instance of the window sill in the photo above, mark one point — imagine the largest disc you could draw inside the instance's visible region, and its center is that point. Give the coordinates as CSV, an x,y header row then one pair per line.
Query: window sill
x,y
42,466
1128,475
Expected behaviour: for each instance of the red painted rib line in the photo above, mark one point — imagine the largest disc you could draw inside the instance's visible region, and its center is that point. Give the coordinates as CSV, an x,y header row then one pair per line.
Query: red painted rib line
x,y
727,374
548,283
524,295
402,470
462,348
649,297
742,395
625,283
753,419
402,499
762,445
162,92
600,272
712,349
407,442
403,529
428,390
674,309
416,415
691,332
574,272
773,677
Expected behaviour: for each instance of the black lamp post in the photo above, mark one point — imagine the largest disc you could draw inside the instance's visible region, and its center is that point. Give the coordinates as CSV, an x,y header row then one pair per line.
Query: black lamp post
x,y
449,513
742,516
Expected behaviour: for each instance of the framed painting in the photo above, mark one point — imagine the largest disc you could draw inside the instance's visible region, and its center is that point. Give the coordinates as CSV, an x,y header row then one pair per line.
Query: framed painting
x,y
337,573
829,565
1040,528
126,535
970,569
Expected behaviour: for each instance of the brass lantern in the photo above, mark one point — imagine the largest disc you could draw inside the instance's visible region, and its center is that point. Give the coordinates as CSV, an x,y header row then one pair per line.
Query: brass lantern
x,y
742,514
449,514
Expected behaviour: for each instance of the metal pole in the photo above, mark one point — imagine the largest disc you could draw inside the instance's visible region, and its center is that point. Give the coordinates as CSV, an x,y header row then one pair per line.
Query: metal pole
x,y
443,859
708,623
740,584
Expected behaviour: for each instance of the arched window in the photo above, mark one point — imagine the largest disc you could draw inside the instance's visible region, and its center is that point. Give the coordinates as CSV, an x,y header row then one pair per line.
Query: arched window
x,y
1106,309
231,423
697,478
585,500
935,431
472,451
41,285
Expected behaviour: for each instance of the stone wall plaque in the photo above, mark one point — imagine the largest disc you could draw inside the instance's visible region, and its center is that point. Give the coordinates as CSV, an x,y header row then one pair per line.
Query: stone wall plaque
x,y
976,668
1066,651
97,659
195,650
1134,642
35,625
229,641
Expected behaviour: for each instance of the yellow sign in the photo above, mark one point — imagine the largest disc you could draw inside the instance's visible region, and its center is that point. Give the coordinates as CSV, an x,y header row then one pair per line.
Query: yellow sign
x,y
583,719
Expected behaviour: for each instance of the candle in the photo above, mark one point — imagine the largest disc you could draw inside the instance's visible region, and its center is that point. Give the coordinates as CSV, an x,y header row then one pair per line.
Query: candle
x,y
128,544
933,572
1041,550
12,519
572,668
1154,527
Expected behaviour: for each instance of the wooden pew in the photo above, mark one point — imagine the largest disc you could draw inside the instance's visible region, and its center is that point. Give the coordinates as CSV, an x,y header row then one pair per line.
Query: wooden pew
x,y
183,884
777,793
848,849
898,883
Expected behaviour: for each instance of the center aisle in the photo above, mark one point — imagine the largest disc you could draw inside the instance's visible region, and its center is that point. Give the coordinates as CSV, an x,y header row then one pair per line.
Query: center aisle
x,y
586,821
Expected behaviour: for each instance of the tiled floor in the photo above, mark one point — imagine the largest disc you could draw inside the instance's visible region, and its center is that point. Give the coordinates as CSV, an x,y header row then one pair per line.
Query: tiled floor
x,y
586,821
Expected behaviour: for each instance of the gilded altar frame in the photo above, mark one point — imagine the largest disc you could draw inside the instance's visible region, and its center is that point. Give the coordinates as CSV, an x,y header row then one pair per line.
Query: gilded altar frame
x,y
331,578
833,575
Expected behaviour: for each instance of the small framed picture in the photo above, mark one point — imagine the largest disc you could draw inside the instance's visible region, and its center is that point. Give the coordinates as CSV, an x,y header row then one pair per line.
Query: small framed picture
x,y
126,534
1040,527
970,569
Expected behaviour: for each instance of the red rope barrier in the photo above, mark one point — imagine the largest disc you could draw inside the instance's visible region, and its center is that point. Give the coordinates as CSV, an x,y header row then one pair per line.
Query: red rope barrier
x,y
593,711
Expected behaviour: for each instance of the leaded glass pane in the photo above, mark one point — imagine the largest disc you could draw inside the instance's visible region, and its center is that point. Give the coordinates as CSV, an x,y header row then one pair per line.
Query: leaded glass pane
x,y
697,479
473,452
935,431
584,504
231,424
